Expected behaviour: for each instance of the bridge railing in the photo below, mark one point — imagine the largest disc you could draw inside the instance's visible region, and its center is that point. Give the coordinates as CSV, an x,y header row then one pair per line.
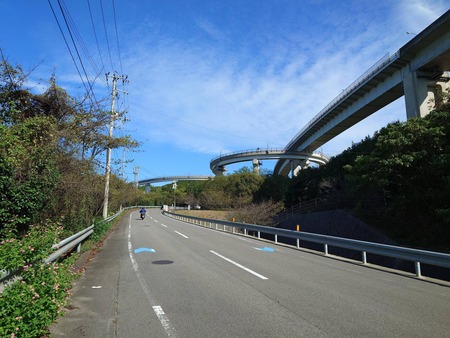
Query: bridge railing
x,y
258,151
409,254
379,65
252,151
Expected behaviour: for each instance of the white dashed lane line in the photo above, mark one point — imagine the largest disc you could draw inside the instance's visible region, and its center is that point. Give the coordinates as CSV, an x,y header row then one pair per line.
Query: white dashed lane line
x,y
239,265
179,233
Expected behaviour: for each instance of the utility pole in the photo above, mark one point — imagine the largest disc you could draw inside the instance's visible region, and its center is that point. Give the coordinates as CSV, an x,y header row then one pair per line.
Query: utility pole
x,y
108,151
136,176
174,187
123,165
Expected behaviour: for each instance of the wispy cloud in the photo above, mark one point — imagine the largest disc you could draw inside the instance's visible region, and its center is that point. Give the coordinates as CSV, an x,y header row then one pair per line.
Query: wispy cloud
x,y
198,98
415,14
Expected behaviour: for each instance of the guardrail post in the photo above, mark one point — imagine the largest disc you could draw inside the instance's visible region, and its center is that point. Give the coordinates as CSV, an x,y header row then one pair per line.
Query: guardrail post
x,y
259,234
245,232
298,243
325,249
78,247
364,257
418,272
276,238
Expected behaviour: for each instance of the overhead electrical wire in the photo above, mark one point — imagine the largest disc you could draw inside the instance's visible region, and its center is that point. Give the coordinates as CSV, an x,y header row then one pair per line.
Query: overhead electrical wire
x,y
78,53
106,34
117,36
95,34
67,45
82,52
77,35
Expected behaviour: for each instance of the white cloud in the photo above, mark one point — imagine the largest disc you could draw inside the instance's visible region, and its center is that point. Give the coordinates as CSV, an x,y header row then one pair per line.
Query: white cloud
x,y
417,14
202,99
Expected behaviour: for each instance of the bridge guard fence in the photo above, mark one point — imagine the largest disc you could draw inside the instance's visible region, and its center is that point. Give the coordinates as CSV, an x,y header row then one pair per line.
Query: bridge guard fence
x,y
413,255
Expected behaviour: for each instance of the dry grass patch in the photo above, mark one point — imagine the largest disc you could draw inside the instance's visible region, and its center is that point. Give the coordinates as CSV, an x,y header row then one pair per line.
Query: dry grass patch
x,y
213,214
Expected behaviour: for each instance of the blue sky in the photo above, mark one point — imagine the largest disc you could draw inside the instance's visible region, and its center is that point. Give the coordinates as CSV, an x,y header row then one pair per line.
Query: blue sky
x,y
207,77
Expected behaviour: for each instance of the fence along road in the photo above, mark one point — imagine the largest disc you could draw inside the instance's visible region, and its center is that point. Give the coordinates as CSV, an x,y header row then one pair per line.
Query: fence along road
x,y
162,277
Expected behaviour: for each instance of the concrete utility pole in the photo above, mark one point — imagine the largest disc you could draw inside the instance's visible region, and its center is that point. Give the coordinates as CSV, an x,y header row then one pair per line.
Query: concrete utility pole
x,y
136,176
108,152
174,187
123,164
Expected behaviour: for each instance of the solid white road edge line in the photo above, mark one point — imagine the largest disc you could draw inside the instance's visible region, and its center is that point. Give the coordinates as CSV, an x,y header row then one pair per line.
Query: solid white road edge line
x,y
163,319
170,331
239,265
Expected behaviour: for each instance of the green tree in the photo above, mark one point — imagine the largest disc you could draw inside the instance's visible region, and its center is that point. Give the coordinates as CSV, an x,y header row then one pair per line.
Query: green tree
x,y
28,172
410,163
52,153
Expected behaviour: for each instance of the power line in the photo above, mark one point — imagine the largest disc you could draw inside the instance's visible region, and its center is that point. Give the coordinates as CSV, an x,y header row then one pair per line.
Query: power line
x,y
76,49
80,41
106,34
95,34
67,45
117,36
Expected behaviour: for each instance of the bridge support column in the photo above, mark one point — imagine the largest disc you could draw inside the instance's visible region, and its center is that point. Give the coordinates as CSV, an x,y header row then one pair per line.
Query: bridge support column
x,y
219,171
298,165
256,166
421,92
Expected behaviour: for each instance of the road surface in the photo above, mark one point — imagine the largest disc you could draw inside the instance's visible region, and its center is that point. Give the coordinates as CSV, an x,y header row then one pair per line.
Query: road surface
x,y
160,277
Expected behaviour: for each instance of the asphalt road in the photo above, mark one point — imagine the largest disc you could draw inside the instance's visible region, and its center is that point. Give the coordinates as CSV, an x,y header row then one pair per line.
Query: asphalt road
x,y
160,277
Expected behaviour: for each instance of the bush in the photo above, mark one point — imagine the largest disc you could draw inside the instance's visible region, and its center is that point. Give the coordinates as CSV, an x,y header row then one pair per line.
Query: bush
x,y
31,304
35,299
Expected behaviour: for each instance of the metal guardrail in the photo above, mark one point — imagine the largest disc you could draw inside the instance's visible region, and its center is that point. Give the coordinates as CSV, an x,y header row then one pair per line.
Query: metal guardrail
x,y
262,151
413,255
251,151
62,247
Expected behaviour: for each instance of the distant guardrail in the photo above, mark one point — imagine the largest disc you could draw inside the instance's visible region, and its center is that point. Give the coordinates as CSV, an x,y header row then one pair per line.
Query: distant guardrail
x,y
409,254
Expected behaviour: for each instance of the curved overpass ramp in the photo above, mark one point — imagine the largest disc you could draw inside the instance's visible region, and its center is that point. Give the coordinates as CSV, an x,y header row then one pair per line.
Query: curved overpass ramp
x,y
173,178
301,158
417,71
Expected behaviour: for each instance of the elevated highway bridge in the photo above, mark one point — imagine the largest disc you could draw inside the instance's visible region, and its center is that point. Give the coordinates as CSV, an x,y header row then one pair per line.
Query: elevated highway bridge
x,y
172,179
300,158
418,71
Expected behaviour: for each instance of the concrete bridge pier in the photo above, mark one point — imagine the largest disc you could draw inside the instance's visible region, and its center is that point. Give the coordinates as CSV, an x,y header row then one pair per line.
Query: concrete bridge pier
x,y
220,170
421,90
256,165
298,165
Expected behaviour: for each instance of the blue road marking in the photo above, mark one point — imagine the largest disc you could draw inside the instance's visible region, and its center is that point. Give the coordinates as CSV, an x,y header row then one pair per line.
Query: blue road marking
x,y
266,249
144,250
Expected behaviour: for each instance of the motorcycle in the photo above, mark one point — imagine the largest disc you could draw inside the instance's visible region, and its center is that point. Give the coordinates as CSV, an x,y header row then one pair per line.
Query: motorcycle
x,y
142,215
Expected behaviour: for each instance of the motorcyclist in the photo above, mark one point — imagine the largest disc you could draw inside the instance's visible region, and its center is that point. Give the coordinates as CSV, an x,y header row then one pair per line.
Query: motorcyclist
x,y
142,212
